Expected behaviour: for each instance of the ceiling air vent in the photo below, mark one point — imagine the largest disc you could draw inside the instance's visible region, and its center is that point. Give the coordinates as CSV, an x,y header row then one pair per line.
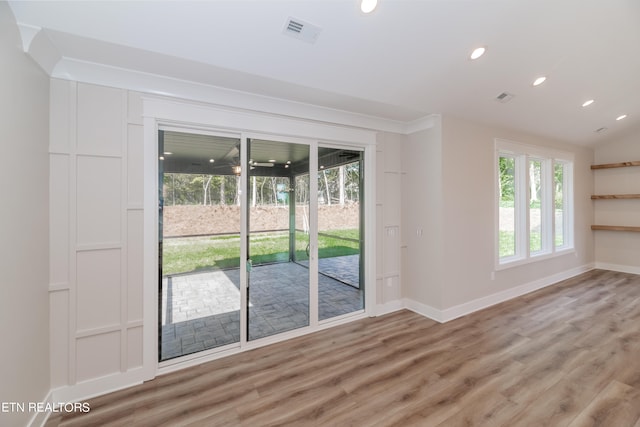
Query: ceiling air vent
x,y
504,97
301,30
295,26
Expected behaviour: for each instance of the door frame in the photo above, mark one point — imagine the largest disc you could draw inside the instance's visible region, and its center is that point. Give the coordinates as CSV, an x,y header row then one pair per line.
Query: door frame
x,y
192,117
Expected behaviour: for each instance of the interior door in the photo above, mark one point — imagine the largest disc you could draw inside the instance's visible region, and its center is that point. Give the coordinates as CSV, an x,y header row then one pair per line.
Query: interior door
x,y
278,231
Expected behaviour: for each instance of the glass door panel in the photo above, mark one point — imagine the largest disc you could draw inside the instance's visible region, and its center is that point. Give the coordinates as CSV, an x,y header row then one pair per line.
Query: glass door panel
x,y
277,285
199,242
340,236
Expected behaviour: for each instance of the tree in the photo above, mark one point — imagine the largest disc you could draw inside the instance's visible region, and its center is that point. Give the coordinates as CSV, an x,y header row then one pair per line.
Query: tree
x,y
341,172
507,174
203,181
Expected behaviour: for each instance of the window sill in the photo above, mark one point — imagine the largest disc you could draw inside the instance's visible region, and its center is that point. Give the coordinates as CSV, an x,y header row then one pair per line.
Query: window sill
x,y
533,258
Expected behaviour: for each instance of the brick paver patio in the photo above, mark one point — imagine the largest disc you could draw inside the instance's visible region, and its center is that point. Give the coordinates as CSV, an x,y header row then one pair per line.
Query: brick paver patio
x,y
202,310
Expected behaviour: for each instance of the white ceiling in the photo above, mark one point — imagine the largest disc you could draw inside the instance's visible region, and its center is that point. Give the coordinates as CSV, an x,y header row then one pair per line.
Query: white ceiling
x,y
406,60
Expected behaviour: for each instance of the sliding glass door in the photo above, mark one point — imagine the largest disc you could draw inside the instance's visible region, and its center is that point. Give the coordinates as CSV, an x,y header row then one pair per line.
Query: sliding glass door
x,y
257,236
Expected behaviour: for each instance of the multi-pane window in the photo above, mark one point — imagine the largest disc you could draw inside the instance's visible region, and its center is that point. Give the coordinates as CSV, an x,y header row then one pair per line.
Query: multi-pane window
x,y
534,198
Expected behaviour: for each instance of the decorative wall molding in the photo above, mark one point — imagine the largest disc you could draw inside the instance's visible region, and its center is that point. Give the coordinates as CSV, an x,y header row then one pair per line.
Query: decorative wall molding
x,y
57,287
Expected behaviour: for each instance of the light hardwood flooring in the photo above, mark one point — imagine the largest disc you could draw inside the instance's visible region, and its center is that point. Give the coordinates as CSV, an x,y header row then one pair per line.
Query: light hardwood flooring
x,y
567,355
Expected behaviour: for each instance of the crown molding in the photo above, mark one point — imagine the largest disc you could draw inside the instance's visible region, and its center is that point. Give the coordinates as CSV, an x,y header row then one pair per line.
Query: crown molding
x,y
105,75
27,33
423,123
44,52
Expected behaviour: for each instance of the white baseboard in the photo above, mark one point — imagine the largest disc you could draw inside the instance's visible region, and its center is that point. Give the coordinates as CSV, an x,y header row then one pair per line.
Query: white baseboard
x,y
389,307
493,299
40,418
469,307
97,387
424,310
617,267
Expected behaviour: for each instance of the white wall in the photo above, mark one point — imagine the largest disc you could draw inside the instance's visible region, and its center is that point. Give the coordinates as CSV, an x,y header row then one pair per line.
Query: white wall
x,y
615,249
422,216
450,186
469,188
24,302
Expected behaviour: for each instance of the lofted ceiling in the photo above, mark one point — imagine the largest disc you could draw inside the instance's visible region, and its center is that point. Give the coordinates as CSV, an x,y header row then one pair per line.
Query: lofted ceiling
x,y
405,61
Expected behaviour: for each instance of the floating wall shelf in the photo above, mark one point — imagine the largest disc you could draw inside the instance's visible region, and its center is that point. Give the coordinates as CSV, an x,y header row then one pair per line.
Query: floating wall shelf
x,y
616,165
615,228
615,197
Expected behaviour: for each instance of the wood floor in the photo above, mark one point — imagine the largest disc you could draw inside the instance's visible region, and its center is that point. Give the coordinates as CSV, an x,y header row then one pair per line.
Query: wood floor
x,y
568,355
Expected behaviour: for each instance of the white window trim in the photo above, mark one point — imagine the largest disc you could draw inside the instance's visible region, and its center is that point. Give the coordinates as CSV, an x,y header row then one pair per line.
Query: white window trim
x,y
523,153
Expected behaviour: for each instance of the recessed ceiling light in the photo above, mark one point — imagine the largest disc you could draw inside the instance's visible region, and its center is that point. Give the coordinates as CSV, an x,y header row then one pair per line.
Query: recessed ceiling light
x,y
168,153
367,6
161,157
621,117
211,160
587,103
477,52
539,81
272,161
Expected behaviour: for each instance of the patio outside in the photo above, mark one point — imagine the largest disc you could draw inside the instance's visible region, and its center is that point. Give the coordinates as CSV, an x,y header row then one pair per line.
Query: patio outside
x,y
200,305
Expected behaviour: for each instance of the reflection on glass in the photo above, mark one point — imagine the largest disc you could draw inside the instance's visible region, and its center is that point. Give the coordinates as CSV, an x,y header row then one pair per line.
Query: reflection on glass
x,y
340,239
199,243
278,224
558,179
507,214
535,202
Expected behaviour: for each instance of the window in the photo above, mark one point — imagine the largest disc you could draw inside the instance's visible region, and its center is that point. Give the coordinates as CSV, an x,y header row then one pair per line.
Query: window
x,y
534,203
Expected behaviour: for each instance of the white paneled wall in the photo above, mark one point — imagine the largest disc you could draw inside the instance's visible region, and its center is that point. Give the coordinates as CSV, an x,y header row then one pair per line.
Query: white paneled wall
x,y
388,206
97,222
96,238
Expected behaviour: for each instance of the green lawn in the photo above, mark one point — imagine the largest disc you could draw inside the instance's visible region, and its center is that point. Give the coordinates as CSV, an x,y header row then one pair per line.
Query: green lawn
x,y
507,243
182,255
